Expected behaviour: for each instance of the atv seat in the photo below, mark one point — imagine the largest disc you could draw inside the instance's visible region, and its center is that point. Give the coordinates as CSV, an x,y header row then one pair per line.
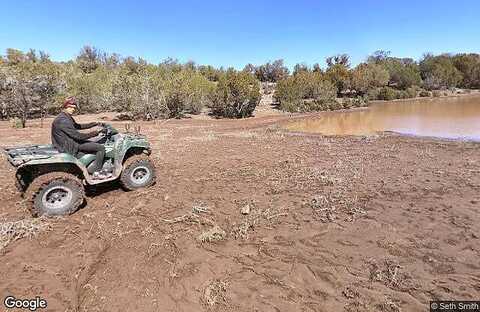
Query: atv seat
x,y
86,159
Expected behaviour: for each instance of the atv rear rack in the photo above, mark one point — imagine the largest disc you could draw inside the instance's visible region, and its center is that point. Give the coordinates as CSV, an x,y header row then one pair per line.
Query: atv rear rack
x,y
19,155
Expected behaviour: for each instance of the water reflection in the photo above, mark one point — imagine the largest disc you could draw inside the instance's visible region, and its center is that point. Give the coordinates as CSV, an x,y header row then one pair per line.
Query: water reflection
x,y
441,117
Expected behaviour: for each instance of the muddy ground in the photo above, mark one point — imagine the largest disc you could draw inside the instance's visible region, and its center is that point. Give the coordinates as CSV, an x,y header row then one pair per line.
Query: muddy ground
x,y
379,223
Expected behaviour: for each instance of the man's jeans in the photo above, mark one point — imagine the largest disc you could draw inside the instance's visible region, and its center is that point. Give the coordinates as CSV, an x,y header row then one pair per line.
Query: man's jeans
x,y
94,148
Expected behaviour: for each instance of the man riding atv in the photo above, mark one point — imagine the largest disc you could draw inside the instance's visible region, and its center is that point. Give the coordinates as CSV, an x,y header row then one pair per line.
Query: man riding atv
x,y
53,177
67,139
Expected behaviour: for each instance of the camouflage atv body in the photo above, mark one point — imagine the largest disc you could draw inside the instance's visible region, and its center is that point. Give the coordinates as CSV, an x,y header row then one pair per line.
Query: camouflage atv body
x,y
54,182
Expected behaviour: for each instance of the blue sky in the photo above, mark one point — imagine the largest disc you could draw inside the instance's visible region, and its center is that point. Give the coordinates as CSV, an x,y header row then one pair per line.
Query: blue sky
x,y
234,33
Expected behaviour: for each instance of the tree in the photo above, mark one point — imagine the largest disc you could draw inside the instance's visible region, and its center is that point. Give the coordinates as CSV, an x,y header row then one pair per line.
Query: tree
x,y
317,68
379,57
209,72
369,76
338,71
469,66
439,72
339,59
89,59
298,68
403,72
237,95
272,72
15,57
47,86
306,91
250,69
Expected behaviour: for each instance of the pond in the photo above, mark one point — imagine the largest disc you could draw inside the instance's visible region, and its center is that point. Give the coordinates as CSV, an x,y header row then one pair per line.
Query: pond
x,y
449,117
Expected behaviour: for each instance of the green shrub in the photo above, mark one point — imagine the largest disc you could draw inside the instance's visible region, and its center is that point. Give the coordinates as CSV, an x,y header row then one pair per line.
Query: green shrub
x,y
318,106
335,105
306,91
424,93
358,101
271,72
289,95
411,92
237,95
293,106
16,122
372,94
347,103
387,94
436,93
188,91
439,71
311,105
369,76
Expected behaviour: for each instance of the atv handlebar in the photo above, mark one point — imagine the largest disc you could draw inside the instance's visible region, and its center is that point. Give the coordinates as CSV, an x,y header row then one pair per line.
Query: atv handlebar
x,y
107,129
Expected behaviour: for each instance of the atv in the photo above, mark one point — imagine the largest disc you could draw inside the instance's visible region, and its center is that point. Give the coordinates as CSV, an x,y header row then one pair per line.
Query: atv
x,y
53,182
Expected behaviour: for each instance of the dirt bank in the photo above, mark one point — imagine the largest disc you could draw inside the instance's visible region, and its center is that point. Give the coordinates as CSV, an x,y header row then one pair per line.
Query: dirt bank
x,y
382,223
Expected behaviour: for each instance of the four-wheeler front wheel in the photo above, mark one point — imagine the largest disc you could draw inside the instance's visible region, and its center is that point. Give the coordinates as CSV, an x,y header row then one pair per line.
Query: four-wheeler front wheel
x,y
138,172
55,194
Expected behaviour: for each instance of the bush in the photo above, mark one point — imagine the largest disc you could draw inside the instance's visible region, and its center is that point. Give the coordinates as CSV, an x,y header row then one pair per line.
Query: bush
x,y
335,105
188,91
270,72
289,95
439,71
387,94
160,92
369,76
436,93
358,101
237,95
306,91
411,92
16,123
424,93
295,106
372,94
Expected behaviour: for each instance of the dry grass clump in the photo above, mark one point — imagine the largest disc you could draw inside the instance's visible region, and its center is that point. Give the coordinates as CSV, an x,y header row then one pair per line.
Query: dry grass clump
x,y
256,217
389,306
215,293
324,208
274,132
15,230
200,207
295,175
190,218
389,273
206,137
337,201
243,134
194,217
339,195
213,235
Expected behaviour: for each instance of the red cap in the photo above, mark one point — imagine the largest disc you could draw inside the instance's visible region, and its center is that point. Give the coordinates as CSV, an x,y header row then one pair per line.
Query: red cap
x,y
70,102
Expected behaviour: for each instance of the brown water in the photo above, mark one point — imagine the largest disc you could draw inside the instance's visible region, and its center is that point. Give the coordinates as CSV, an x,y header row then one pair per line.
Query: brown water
x,y
453,118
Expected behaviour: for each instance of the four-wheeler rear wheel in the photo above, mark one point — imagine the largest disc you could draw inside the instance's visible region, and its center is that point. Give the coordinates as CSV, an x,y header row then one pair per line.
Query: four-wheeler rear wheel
x,y
55,194
138,172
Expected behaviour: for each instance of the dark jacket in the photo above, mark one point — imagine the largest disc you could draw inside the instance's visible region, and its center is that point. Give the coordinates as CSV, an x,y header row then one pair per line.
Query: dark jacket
x,y
65,136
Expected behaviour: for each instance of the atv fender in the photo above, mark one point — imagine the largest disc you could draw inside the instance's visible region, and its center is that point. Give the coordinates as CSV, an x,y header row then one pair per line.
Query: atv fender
x,y
60,162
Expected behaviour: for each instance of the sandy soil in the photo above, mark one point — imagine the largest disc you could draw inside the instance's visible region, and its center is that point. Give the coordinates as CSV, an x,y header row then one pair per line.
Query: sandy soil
x,y
381,223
